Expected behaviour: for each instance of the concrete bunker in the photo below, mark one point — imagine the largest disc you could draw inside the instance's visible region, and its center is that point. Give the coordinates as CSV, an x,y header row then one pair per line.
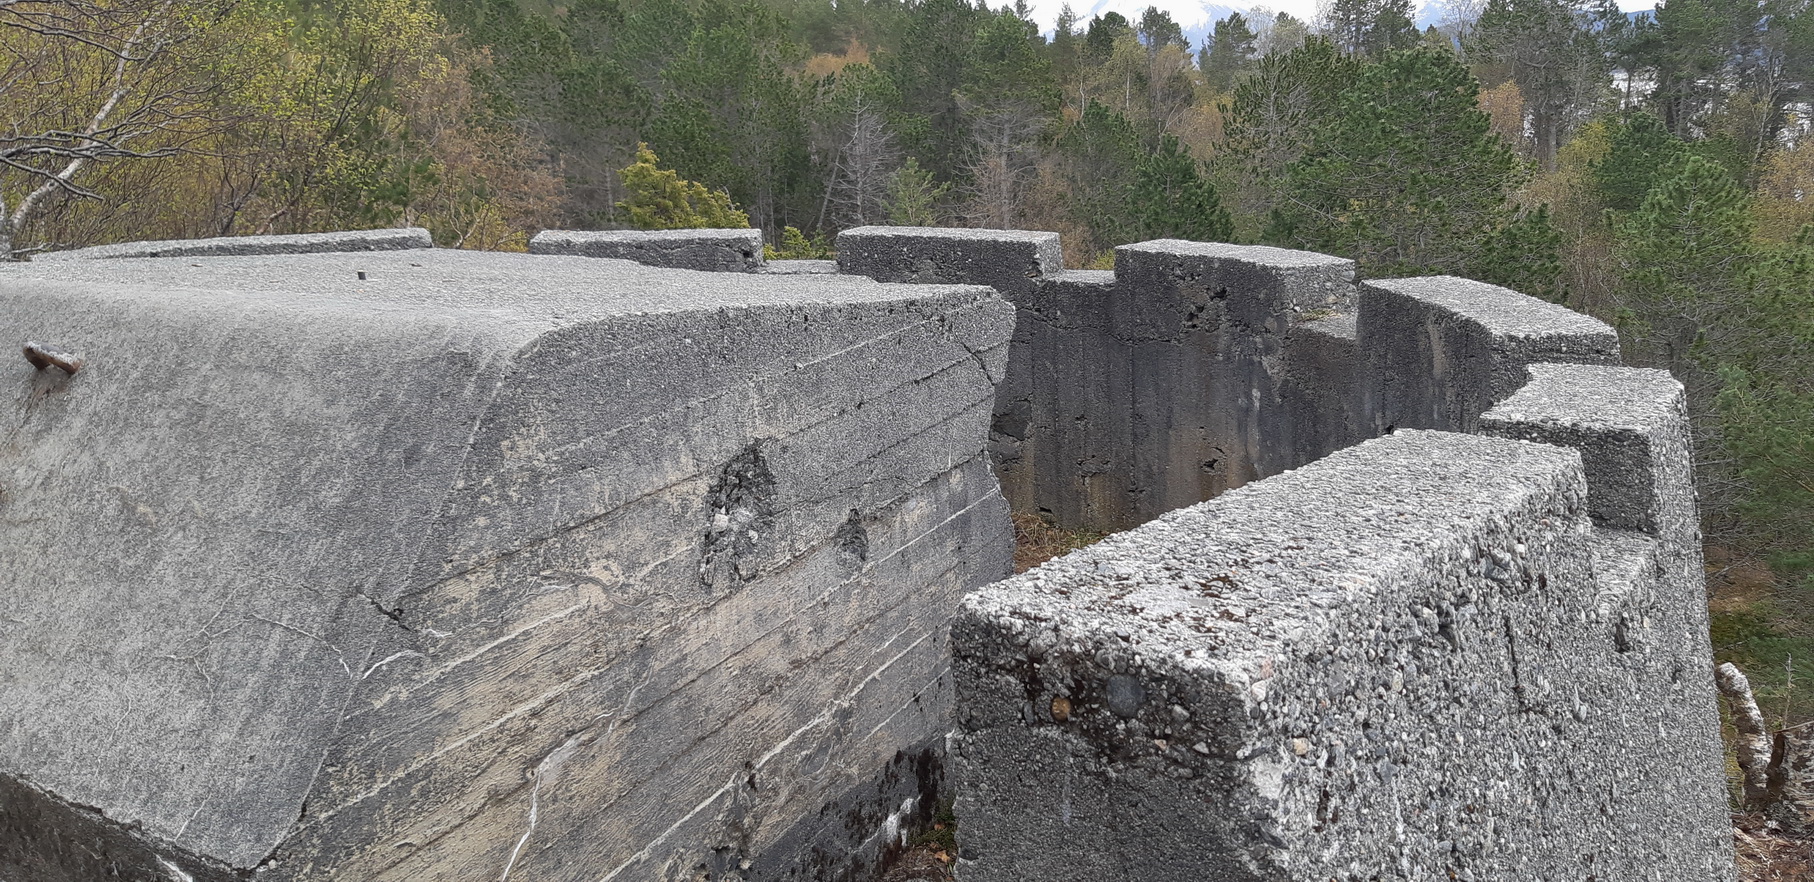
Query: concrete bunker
x,y
1257,683
441,565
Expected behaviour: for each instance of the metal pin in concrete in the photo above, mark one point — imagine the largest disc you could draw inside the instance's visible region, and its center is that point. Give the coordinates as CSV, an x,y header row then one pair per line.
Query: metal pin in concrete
x,y
42,356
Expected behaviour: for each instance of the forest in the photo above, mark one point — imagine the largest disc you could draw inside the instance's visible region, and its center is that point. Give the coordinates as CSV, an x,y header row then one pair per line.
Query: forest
x,y
1655,170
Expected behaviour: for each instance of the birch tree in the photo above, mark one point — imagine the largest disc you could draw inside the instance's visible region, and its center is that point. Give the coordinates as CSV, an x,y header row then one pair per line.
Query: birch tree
x,y
88,82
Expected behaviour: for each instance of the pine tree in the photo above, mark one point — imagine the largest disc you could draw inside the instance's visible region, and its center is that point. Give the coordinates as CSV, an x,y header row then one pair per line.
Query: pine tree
x,y
1403,173
1524,255
913,196
1685,246
1229,54
1098,155
1547,49
1158,30
1104,30
930,66
658,199
1272,119
1171,199
1640,149
1370,28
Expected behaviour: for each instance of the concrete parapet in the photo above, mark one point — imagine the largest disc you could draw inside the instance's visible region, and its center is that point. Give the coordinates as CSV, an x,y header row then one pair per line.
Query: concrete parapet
x,y
244,246
1205,328
1631,426
1444,349
1007,260
801,267
1389,663
725,251
1324,388
436,565
1131,393
1256,284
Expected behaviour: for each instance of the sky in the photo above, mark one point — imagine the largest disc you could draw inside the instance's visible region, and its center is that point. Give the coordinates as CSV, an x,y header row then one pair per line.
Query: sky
x,y
1195,15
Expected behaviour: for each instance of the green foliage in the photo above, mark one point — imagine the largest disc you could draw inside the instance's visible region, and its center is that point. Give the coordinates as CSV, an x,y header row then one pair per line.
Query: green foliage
x,y
1099,155
1273,121
1766,403
913,196
1371,28
930,67
1641,150
1157,29
1524,255
1691,236
1230,52
1007,65
1557,58
1403,172
796,245
730,113
1104,30
1170,198
659,200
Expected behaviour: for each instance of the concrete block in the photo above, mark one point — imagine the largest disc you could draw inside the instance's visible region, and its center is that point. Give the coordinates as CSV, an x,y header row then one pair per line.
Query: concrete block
x,y
1384,664
245,246
1444,349
439,572
1324,389
1631,426
800,267
1196,335
1007,260
1254,284
1058,439
724,251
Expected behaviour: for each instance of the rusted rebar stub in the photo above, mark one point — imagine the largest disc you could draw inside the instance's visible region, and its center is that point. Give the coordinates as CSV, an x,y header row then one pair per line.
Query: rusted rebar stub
x,y
42,356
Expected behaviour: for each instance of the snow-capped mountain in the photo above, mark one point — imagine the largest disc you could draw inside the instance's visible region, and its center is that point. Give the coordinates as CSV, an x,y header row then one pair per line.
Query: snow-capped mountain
x,y
1196,17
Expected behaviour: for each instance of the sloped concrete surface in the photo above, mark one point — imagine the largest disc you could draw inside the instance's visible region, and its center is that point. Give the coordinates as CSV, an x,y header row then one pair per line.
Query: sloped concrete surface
x,y
407,239
440,572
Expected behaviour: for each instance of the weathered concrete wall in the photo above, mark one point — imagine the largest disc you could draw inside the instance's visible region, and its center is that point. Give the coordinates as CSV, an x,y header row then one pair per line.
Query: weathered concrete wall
x,y
711,250
1131,393
407,239
1194,368
1402,661
1631,429
1441,350
482,566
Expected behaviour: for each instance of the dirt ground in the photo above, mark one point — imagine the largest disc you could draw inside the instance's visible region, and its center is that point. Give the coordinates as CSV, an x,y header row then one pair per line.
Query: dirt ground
x,y
1763,856
921,863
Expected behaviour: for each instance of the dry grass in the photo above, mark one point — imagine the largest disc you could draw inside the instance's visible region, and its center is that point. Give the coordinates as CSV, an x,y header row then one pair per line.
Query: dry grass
x,y
1036,541
1767,855
921,863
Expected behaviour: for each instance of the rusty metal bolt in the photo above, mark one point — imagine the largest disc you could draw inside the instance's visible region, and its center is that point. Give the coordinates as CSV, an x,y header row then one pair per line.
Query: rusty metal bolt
x,y
42,356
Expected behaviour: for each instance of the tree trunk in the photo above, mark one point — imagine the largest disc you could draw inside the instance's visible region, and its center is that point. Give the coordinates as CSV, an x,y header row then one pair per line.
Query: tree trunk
x,y
1790,789
1753,742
